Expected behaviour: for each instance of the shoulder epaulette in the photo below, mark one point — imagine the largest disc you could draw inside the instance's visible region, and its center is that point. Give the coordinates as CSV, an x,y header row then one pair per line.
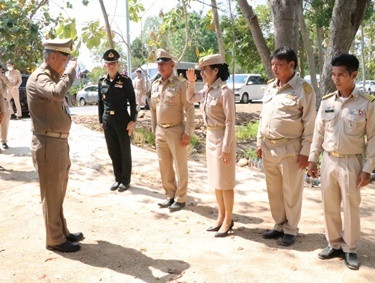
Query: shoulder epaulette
x,y
307,88
369,97
328,95
124,76
224,86
271,80
48,72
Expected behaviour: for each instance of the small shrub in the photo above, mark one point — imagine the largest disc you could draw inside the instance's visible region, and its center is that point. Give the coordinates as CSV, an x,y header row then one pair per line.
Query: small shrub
x,y
248,131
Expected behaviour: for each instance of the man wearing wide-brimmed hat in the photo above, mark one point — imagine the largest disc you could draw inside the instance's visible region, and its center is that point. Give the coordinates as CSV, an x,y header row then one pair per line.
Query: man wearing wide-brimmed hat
x,y
172,125
46,89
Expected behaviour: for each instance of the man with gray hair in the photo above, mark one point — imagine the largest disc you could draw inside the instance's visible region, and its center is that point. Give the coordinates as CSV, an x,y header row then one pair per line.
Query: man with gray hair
x,y
46,89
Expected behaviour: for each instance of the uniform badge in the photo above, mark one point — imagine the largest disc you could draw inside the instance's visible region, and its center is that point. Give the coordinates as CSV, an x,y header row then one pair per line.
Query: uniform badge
x,y
118,85
307,88
356,112
103,96
119,82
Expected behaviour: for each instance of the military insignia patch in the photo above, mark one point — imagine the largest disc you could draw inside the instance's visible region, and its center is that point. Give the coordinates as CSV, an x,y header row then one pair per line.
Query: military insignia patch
x,y
307,88
370,98
328,95
111,55
356,112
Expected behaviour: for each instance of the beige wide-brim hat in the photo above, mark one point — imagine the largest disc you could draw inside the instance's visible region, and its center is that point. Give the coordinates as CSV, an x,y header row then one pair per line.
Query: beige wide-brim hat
x,y
163,56
208,60
61,45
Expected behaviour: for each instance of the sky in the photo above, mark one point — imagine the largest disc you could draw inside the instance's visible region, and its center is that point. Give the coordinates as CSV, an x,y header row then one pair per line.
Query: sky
x,y
117,19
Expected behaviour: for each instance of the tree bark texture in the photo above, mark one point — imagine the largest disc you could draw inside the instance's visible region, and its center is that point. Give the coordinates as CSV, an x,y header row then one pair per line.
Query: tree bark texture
x,y
219,35
309,50
256,33
107,26
320,48
284,17
347,16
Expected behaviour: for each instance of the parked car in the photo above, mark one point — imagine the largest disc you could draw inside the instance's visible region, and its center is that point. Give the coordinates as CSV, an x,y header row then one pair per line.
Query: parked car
x,y
369,86
23,97
247,87
87,95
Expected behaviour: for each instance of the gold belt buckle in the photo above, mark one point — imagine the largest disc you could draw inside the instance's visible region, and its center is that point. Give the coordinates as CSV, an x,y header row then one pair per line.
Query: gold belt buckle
x,y
112,112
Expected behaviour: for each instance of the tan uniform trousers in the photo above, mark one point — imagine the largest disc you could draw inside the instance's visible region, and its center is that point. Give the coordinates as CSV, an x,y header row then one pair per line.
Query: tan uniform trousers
x,y
339,185
284,181
52,162
170,151
15,94
5,123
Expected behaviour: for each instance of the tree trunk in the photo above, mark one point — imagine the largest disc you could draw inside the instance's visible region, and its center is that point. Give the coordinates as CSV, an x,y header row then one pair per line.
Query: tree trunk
x,y
283,18
301,62
257,35
219,35
108,27
186,31
320,48
363,58
347,16
309,50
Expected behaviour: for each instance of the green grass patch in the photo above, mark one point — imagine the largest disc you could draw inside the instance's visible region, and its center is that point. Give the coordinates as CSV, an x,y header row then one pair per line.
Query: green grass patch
x,y
143,136
194,141
250,153
248,131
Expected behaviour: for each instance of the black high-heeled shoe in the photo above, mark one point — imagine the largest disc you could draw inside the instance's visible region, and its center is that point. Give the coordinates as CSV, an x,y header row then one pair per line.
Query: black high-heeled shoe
x,y
224,234
214,229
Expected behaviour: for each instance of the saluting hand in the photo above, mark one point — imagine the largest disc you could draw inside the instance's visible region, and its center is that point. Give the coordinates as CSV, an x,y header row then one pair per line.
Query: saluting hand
x,y
313,169
130,128
363,179
185,140
190,75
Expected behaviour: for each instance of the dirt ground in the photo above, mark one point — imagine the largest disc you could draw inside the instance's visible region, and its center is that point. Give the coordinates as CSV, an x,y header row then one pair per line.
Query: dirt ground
x,y
129,239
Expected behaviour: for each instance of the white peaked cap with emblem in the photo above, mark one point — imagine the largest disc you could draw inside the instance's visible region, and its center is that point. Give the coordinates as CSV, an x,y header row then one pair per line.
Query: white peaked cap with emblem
x,y
163,56
61,45
208,60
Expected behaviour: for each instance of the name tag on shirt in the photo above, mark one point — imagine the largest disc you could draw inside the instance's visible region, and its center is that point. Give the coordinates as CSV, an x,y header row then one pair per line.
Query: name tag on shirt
x,y
329,110
119,86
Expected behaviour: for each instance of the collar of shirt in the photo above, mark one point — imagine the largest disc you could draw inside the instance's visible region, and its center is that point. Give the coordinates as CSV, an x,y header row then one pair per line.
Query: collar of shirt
x,y
291,83
169,79
355,93
218,83
108,79
53,73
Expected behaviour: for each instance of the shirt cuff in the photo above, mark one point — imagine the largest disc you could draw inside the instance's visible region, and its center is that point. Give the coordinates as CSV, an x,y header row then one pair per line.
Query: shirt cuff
x,y
305,150
368,167
314,157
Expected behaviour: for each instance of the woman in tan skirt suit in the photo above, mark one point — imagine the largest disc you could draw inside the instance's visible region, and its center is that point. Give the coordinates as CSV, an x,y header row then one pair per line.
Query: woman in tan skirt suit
x,y
217,104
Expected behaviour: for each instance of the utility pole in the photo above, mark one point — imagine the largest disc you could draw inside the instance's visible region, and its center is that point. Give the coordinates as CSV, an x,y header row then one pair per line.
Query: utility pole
x,y
128,57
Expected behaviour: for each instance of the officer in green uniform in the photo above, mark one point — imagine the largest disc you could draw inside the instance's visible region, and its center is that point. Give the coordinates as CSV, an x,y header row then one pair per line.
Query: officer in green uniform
x,y
115,91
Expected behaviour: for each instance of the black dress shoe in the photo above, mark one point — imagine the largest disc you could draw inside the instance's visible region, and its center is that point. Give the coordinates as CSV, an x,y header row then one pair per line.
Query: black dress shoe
x,y
176,206
287,240
66,247
115,186
166,203
75,237
224,234
123,188
214,229
273,234
330,252
5,146
351,261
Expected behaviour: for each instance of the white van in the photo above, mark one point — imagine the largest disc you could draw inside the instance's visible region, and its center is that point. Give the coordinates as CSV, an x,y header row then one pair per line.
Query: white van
x,y
150,73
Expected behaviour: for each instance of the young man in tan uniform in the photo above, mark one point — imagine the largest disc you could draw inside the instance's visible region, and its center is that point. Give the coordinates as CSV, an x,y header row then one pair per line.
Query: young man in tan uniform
x,y
283,142
15,78
5,83
172,133
345,131
46,89
140,90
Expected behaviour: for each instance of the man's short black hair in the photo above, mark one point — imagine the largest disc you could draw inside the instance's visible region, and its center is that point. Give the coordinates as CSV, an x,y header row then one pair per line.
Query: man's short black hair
x,y
286,53
349,61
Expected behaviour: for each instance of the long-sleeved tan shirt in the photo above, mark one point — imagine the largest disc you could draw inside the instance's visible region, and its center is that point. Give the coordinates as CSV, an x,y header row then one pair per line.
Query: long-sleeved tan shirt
x,y
4,82
169,104
344,126
45,95
288,112
217,103
15,80
139,86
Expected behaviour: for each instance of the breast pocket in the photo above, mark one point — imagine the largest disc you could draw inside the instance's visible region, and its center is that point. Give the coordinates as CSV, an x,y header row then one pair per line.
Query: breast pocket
x,y
329,121
171,96
354,125
289,101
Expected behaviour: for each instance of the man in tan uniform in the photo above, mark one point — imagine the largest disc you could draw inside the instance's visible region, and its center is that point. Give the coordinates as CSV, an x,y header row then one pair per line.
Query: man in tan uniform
x,y
46,89
172,134
345,131
6,84
15,78
140,90
283,142
2,107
